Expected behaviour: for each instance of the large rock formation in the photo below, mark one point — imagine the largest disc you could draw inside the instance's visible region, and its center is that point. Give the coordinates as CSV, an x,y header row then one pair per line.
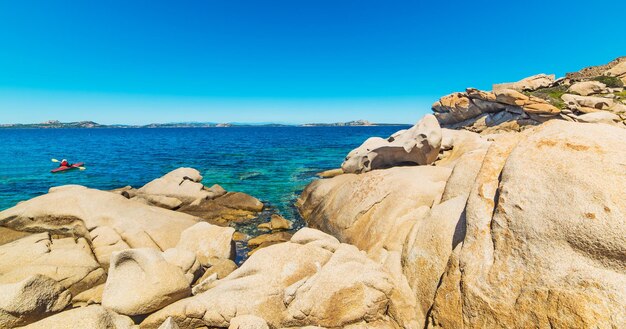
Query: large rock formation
x,y
296,284
418,145
527,232
545,234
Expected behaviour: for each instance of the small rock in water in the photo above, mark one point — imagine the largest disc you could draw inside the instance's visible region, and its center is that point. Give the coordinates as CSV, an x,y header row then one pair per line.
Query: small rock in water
x,y
276,223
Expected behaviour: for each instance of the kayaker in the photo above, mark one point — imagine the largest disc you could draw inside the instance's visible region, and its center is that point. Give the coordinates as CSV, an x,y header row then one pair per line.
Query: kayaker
x,y
64,163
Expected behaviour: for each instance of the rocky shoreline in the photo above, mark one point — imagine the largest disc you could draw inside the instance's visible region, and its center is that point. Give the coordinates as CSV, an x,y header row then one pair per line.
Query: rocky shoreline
x,y
503,209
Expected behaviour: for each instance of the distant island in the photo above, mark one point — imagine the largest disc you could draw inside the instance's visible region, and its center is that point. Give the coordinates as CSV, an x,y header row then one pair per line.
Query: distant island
x,y
55,124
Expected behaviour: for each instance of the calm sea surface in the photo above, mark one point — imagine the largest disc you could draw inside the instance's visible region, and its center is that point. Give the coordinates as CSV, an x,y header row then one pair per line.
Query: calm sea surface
x,y
271,163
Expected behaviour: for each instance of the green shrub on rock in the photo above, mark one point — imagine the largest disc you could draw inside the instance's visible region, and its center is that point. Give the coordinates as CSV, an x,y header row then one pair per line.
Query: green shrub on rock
x,y
611,82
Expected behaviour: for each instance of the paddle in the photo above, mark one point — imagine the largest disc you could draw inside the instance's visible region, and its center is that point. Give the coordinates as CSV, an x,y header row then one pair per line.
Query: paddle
x,y
80,168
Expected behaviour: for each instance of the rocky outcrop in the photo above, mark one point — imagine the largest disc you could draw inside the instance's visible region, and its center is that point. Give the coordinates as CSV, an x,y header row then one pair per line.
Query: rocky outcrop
x,y
523,216
527,231
208,241
534,100
301,286
418,145
141,281
107,221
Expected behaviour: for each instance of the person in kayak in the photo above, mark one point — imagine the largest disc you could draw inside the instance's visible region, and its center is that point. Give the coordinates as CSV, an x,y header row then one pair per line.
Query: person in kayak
x,y
64,163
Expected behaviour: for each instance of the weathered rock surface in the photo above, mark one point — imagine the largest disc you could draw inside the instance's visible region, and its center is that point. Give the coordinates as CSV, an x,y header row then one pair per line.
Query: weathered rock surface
x,y
300,287
31,299
67,261
109,221
527,84
186,260
418,145
247,322
208,241
89,297
586,88
93,317
141,281
381,203
545,233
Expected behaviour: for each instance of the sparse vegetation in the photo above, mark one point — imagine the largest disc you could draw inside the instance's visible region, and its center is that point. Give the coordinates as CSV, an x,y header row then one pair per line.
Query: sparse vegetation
x,y
611,82
552,95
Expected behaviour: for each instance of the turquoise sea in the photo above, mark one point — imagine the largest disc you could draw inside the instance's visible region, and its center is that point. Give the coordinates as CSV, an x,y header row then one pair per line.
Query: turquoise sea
x,y
271,163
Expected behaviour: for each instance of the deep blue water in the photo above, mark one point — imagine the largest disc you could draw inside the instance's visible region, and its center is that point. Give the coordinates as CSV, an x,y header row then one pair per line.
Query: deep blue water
x,y
271,163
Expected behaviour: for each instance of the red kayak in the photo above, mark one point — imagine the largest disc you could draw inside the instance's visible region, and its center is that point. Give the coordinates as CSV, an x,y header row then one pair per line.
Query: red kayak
x,y
65,168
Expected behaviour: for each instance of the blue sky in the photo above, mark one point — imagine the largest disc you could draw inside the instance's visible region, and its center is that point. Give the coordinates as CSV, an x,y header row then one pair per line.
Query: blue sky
x,y
282,61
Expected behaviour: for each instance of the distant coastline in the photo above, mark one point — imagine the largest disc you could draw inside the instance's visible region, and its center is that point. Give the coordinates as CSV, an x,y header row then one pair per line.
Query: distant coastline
x,y
54,124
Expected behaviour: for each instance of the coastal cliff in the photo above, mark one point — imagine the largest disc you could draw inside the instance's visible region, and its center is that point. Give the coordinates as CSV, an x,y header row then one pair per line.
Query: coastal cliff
x,y
502,209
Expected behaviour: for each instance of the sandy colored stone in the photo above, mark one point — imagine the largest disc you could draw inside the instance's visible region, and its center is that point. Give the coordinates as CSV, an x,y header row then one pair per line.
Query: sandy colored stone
x,y
248,322
330,173
67,261
159,201
276,223
8,235
30,300
169,324
93,317
183,184
208,241
586,88
381,204
141,281
313,237
89,297
255,288
527,84
186,260
271,237
220,266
